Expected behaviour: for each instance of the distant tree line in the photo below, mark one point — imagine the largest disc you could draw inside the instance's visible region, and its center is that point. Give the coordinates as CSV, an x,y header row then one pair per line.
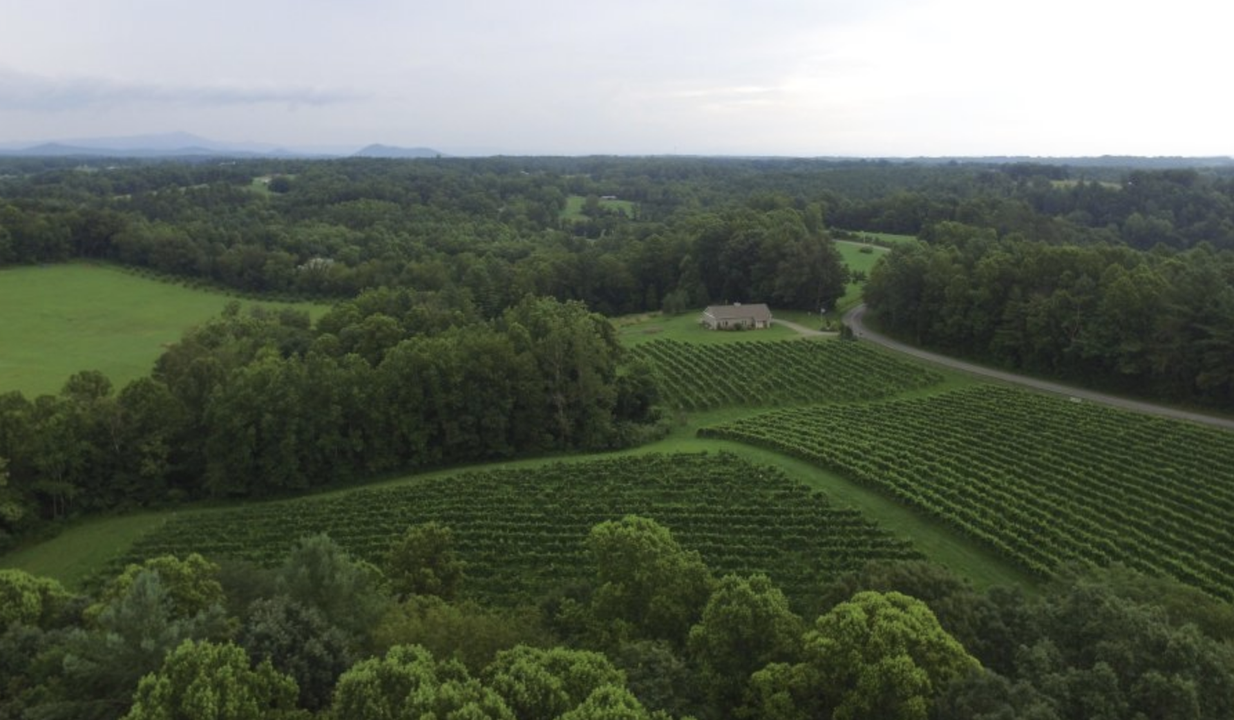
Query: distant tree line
x,y
490,228
496,227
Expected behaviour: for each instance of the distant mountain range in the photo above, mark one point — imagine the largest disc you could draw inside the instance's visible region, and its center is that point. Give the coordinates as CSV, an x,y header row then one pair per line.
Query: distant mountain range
x,y
181,144
390,151
187,145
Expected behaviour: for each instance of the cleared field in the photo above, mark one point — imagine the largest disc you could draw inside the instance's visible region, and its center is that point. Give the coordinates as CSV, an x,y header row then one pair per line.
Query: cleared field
x,y
859,257
521,531
575,203
60,319
759,374
77,553
887,238
1042,480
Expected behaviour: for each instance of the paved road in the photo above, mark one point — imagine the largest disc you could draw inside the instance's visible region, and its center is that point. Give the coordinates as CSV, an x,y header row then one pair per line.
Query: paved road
x,y
802,329
854,320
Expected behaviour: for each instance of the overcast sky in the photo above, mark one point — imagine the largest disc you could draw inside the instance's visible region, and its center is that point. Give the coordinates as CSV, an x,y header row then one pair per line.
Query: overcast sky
x,y
772,77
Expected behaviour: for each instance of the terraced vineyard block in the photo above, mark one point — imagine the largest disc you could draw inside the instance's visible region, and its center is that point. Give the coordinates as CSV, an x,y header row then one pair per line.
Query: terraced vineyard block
x,y
1041,479
755,374
521,531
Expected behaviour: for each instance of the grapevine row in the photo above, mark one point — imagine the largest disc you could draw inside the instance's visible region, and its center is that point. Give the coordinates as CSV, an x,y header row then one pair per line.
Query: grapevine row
x,y
1041,479
521,531
701,377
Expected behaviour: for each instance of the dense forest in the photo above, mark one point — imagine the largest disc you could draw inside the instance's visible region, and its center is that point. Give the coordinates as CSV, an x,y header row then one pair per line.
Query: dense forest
x,y
709,229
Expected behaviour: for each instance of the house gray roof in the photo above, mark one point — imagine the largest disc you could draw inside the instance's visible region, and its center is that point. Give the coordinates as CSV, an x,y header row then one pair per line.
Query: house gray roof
x,y
757,312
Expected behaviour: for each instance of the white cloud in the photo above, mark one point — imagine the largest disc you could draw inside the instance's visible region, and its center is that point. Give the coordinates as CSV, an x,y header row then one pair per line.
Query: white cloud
x,y
24,91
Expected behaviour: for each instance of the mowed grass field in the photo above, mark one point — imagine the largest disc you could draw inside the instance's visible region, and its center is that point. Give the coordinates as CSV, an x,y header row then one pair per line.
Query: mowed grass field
x,y
859,257
574,207
886,238
60,319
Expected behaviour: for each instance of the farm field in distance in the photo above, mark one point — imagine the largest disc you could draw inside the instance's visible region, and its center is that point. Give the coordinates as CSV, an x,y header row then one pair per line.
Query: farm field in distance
x,y
859,257
58,320
848,368
575,203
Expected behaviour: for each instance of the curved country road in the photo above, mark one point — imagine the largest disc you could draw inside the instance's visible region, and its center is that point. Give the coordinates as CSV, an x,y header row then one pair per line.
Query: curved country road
x,y
853,318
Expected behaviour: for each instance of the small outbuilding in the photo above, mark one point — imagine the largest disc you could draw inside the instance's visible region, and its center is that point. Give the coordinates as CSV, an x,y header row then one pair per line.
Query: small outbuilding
x,y
737,317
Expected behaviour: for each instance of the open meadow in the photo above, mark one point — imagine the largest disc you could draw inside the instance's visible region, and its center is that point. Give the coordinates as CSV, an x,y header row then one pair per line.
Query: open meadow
x,y
575,204
61,319
860,258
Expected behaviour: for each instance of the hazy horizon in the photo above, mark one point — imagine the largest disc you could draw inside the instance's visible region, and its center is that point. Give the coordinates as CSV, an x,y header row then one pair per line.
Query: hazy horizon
x,y
882,78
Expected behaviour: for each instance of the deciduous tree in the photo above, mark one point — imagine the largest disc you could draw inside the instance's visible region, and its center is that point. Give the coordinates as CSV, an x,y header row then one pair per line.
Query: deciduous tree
x,y
647,585
746,625
539,684
877,655
409,683
208,681
423,562
298,641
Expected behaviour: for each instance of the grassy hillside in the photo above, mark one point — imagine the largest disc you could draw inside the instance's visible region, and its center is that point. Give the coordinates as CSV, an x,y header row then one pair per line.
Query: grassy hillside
x,y
56,320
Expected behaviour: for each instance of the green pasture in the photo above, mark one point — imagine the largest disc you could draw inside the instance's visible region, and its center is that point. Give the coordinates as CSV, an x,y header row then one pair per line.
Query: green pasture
x,y
575,203
888,238
261,185
1068,184
60,319
859,257
82,549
